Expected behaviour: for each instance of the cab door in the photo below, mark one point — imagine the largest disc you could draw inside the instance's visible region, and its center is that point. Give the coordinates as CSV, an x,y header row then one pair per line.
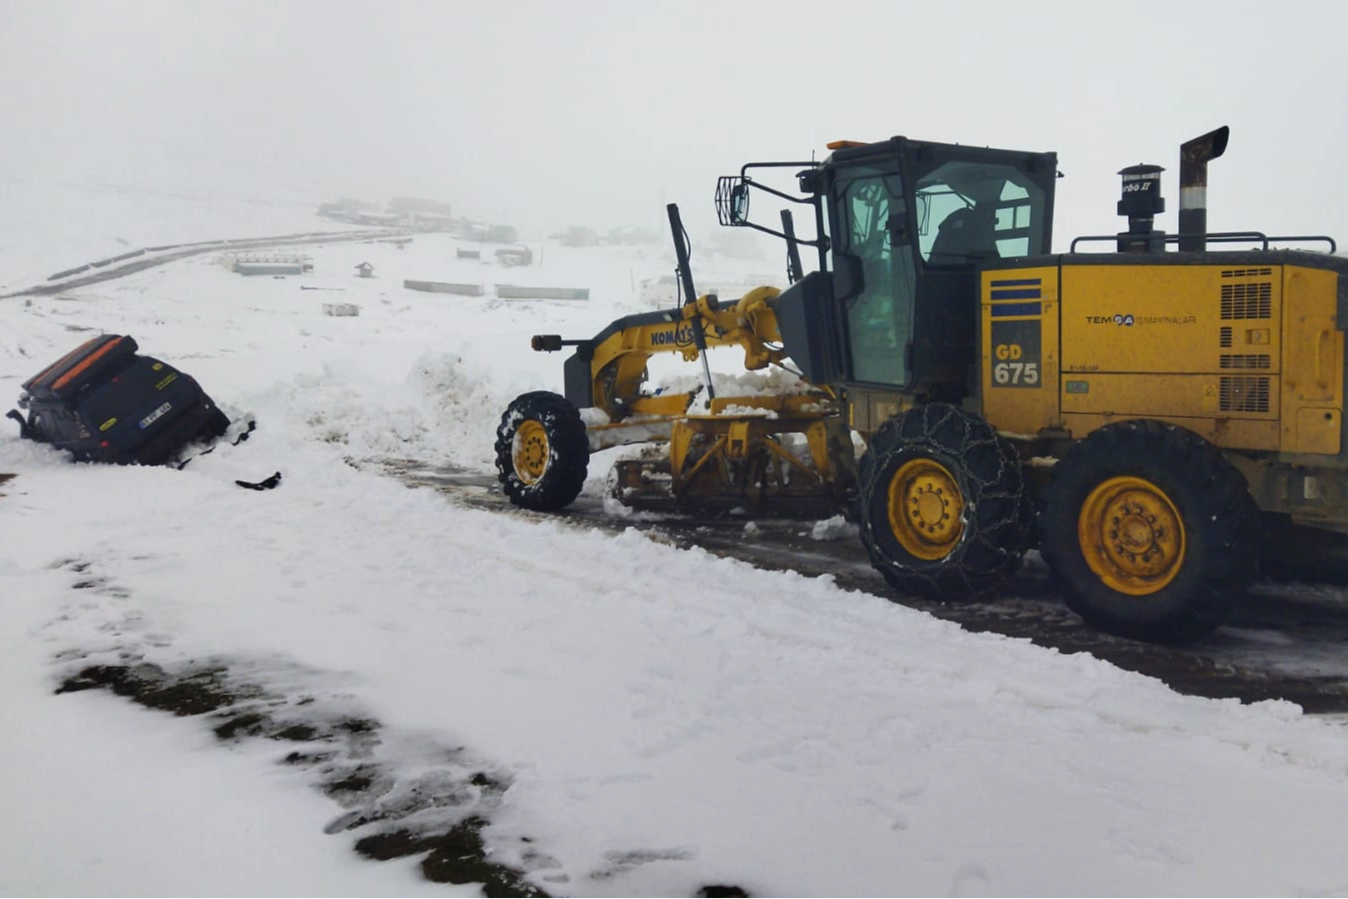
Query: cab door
x,y
876,267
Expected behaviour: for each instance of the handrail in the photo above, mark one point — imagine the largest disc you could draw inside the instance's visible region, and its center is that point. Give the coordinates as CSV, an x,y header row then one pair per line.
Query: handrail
x,y
1213,237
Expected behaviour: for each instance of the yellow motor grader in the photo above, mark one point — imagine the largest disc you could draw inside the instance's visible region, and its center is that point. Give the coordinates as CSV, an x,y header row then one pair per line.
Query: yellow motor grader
x,y
1146,414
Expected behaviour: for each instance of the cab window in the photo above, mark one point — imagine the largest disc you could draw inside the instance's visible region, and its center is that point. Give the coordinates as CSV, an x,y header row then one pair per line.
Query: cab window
x,y
879,317
971,212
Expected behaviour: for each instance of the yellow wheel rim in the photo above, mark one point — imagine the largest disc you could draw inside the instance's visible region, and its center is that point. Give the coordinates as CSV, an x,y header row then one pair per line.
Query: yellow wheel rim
x,y
926,509
1132,536
530,452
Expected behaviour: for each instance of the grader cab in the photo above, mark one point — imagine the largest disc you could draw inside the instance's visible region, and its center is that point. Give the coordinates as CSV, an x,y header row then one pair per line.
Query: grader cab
x,y
1144,416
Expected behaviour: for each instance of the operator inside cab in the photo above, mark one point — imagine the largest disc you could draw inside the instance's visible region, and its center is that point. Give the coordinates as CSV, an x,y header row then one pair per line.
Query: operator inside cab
x,y
968,231
966,235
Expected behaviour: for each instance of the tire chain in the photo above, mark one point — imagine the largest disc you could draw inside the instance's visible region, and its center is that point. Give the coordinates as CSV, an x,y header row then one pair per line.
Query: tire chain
x,y
989,466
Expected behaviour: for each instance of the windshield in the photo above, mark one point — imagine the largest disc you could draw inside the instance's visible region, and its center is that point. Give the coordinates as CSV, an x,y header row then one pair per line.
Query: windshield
x,y
971,212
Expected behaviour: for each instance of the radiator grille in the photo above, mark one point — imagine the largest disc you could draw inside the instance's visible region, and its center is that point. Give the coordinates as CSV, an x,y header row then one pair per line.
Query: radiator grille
x,y
1247,273
1245,360
1243,394
1254,300
1226,337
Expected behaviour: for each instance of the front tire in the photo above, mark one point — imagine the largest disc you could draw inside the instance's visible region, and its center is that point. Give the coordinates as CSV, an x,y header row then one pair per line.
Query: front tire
x,y
542,452
1150,531
944,511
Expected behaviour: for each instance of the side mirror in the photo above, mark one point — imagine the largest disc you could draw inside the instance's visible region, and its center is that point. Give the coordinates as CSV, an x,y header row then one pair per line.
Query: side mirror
x,y
739,203
732,200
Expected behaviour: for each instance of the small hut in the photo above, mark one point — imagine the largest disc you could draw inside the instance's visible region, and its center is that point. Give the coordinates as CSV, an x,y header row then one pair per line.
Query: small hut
x,y
366,270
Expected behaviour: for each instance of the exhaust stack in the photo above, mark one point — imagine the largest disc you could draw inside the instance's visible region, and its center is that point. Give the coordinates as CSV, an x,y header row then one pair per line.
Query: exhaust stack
x,y
1193,212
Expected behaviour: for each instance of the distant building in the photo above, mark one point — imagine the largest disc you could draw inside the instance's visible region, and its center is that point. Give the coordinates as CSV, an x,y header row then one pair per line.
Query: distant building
x,y
512,256
378,219
418,206
268,268
430,221
268,264
479,231
631,234
366,270
578,236
737,244
346,209
664,292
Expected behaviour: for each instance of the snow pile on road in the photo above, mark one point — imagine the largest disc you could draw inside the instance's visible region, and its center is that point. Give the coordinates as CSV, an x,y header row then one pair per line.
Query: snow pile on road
x,y
439,414
465,409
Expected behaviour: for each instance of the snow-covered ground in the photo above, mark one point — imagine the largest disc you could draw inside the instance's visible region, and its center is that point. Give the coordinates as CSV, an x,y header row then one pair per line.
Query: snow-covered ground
x,y
664,719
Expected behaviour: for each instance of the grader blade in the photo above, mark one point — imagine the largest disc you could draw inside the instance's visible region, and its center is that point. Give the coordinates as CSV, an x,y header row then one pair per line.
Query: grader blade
x,y
753,466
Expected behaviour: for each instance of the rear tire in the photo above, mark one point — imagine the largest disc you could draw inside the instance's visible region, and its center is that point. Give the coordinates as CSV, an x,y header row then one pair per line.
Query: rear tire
x,y
1150,531
542,452
944,511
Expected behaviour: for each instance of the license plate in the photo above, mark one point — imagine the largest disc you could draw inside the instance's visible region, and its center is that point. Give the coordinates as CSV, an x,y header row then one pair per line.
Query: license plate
x,y
153,416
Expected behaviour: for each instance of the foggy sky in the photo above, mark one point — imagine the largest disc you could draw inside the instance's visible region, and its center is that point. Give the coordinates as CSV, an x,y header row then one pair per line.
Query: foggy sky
x,y
547,114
